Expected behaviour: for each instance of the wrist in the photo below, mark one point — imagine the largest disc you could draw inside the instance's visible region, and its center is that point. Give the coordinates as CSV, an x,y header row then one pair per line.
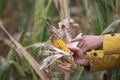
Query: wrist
x,y
101,41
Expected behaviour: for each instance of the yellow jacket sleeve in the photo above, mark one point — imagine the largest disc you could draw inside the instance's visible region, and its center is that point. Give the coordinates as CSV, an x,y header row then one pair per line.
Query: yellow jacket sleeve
x,y
98,61
111,44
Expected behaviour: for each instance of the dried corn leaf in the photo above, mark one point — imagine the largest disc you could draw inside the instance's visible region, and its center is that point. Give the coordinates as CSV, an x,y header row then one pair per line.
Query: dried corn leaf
x,y
49,60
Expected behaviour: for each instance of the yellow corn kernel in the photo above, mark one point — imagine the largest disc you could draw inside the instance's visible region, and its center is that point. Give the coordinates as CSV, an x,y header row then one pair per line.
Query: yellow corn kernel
x,y
59,43
64,46
54,41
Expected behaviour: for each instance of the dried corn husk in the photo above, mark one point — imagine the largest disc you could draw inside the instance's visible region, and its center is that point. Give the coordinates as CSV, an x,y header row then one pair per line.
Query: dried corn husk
x,y
57,50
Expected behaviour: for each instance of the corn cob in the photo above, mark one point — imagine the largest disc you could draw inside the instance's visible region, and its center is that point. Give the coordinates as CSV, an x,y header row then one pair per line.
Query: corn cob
x,y
56,40
59,43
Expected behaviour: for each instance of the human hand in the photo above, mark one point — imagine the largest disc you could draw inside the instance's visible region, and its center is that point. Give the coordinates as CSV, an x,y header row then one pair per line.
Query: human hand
x,y
89,42
79,57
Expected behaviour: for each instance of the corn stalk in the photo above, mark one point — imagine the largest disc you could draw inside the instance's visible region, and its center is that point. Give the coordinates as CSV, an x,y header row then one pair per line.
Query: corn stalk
x,y
65,24
63,8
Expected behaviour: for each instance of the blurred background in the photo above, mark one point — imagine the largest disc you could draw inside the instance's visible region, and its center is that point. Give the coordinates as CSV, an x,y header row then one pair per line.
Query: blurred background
x,y
25,21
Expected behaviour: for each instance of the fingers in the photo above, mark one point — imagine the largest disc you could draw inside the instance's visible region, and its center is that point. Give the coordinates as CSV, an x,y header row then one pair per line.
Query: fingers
x,y
74,49
78,38
77,51
82,44
85,50
85,47
78,56
81,62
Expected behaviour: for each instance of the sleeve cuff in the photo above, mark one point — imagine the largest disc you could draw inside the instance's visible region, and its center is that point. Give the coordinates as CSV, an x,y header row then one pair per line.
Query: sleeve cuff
x,y
94,57
99,62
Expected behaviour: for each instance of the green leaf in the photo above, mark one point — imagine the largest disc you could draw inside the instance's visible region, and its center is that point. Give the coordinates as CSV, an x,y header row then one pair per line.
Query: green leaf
x,y
27,11
101,14
18,67
2,7
77,74
41,12
5,71
111,27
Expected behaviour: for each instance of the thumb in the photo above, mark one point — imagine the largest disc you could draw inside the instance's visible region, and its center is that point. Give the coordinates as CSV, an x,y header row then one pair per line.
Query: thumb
x,y
82,62
77,51
74,49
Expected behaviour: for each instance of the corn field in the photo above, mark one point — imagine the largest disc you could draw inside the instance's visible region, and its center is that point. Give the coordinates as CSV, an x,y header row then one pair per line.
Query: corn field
x,y
33,37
